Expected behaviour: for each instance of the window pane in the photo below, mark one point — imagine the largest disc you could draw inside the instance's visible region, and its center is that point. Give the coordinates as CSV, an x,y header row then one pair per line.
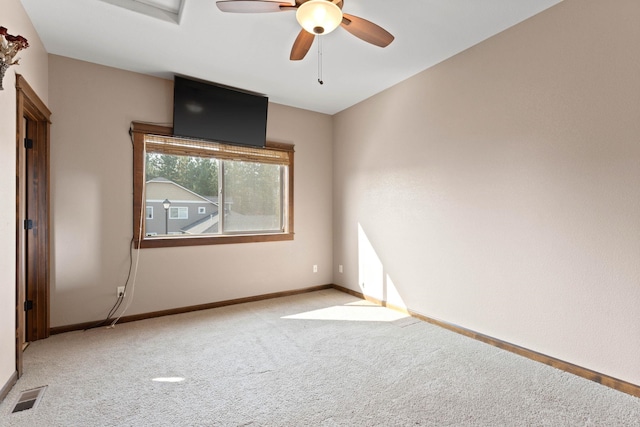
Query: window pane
x,y
189,185
252,196
181,212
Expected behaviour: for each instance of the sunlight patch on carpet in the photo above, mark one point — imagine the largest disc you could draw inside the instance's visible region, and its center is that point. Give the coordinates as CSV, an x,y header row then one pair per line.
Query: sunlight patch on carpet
x,y
168,379
351,312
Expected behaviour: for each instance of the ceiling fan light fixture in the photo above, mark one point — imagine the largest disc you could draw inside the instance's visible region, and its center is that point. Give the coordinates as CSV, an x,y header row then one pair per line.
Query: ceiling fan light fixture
x,y
319,16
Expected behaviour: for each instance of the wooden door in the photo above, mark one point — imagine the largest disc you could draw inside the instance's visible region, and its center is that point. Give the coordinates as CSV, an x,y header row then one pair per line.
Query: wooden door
x,y
32,214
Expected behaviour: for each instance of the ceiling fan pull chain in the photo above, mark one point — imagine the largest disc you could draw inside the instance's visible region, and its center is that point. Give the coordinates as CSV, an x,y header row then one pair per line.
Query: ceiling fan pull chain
x,y
320,60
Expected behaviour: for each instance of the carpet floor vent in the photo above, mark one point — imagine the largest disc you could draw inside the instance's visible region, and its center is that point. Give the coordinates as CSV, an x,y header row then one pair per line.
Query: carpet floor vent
x,y
29,399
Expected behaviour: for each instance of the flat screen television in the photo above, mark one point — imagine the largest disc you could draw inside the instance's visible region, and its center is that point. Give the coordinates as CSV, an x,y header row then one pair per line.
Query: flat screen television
x,y
218,113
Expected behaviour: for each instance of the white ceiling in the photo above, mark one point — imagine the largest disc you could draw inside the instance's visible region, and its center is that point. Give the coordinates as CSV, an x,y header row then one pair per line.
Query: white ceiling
x,y
251,51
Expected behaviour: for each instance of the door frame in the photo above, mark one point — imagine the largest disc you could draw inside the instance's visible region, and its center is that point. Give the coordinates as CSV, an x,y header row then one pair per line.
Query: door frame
x,y
32,246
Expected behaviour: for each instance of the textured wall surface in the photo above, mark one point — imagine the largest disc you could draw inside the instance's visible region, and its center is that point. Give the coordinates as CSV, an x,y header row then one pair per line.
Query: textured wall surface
x,y
499,189
92,204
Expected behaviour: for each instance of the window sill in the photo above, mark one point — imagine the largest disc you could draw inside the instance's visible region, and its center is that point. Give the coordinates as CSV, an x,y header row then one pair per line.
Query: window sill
x,y
169,242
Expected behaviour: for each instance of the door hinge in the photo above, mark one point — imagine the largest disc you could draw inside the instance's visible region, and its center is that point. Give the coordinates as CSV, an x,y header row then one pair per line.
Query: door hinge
x,y
28,224
28,305
28,143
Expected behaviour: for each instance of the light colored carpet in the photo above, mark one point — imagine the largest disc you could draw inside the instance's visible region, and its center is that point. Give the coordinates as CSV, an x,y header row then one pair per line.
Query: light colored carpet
x,y
318,359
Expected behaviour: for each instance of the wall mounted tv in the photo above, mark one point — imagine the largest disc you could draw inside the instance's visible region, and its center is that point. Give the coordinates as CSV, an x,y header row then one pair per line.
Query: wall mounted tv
x,y
217,113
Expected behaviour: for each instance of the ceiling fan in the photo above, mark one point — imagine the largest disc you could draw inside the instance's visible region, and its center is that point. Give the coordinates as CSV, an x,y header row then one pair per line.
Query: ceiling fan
x,y
316,17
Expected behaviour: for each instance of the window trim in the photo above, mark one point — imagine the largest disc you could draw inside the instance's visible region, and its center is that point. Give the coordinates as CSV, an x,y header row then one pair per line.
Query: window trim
x,y
138,131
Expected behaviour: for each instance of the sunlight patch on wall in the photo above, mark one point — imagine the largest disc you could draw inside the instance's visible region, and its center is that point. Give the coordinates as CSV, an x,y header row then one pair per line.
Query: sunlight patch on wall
x,y
372,279
393,296
370,270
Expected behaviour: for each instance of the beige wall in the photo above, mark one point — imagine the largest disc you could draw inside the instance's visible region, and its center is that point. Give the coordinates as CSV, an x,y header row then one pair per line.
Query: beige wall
x,y
92,207
499,190
33,66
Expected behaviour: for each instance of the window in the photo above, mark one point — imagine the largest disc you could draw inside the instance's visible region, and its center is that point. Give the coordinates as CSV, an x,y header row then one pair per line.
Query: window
x,y
178,213
209,193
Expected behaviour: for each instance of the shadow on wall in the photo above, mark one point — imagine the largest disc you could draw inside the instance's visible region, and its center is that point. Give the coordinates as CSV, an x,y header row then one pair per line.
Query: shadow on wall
x,y
372,279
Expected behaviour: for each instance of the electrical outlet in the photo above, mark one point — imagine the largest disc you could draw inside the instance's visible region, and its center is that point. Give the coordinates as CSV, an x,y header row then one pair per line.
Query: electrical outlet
x,y
120,292
315,268
340,268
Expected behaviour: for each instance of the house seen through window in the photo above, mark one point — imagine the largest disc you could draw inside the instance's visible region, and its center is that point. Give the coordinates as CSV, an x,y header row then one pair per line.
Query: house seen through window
x,y
201,192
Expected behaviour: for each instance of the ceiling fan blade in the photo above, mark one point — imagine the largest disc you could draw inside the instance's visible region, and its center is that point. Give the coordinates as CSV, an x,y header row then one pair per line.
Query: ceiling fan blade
x,y
366,30
301,45
254,6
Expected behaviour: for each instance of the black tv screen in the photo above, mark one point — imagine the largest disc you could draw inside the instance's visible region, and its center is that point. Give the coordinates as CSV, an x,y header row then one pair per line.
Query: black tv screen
x,y
217,113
